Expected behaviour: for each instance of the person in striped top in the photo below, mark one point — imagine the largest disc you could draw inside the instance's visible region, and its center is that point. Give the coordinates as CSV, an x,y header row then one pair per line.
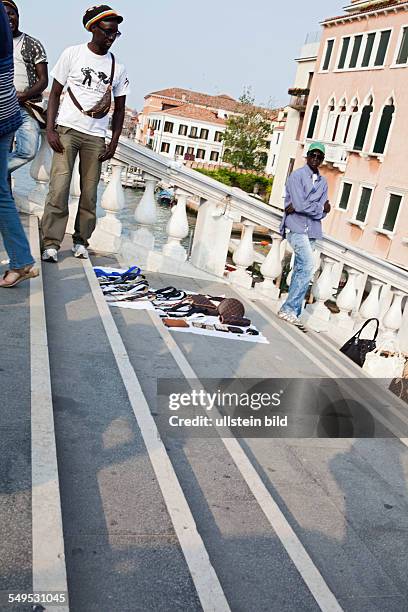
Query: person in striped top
x,y
11,229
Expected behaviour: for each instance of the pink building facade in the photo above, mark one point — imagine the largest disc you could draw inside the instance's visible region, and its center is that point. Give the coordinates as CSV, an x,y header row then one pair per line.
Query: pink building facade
x,y
358,106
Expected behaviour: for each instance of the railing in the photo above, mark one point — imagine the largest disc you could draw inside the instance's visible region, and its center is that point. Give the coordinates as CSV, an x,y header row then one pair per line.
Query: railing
x,y
361,285
299,103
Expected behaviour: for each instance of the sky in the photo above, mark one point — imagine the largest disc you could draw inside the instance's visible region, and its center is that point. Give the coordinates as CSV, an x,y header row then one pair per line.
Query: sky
x,y
216,46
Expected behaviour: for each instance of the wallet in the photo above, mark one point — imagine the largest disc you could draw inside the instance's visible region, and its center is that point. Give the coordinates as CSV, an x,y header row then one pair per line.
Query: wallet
x,y
175,323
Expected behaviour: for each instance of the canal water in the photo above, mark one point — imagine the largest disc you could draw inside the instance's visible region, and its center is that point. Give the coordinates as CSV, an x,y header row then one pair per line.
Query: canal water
x,y
24,184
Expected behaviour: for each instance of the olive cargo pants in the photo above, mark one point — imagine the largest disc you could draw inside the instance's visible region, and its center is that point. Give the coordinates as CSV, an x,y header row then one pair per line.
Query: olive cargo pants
x,y
56,211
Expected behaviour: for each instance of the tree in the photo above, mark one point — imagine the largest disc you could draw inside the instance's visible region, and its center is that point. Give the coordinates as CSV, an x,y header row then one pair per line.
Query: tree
x,y
245,135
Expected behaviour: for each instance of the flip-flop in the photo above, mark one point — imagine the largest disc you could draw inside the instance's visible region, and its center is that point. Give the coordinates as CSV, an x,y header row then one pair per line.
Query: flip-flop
x,y
22,275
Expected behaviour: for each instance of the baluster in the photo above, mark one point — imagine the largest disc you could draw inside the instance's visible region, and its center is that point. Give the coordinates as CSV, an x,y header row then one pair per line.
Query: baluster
x,y
346,301
392,321
271,269
317,315
40,171
370,308
243,257
177,228
107,235
146,214
75,194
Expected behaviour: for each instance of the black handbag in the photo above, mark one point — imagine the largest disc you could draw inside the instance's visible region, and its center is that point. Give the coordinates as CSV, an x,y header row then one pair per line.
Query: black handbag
x,y
356,349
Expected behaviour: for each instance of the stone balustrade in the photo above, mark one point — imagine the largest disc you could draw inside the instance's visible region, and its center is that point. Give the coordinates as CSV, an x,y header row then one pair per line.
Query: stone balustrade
x,y
360,285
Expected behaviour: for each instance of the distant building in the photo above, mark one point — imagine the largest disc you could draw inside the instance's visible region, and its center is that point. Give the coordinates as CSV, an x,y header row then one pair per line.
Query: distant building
x,y
357,106
295,117
275,140
188,125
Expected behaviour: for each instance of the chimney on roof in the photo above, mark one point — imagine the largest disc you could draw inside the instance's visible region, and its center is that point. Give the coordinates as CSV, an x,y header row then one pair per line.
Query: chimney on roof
x,y
183,97
222,114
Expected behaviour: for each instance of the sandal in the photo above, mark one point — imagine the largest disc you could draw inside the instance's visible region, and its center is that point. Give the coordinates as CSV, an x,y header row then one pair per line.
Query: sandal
x,y
19,275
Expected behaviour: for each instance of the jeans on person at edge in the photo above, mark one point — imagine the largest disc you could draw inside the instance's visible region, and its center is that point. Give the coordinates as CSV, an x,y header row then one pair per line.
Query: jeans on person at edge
x,y
27,138
302,272
11,229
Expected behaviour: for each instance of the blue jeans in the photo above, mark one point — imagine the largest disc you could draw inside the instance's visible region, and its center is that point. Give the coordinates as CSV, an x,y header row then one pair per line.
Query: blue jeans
x,y
27,137
302,274
14,238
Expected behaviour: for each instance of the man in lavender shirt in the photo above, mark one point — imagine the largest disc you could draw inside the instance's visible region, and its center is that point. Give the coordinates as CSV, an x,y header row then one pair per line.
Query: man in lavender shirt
x,y
306,204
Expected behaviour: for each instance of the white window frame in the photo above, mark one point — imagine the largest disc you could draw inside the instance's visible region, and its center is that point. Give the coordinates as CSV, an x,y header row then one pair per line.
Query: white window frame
x,y
340,193
324,55
354,220
362,51
381,156
397,49
389,192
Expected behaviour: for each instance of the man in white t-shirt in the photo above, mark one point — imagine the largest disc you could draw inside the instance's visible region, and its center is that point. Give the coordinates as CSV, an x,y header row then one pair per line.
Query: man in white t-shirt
x,y
86,72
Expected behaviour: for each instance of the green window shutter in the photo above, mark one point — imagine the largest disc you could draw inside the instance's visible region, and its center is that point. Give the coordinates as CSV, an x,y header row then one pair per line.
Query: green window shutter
x,y
382,48
384,129
345,196
362,128
364,202
313,119
368,50
403,52
343,54
392,212
329,51
356,50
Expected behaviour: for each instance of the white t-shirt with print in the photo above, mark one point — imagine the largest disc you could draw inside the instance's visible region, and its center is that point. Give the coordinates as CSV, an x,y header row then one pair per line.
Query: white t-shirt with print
x,y
87,74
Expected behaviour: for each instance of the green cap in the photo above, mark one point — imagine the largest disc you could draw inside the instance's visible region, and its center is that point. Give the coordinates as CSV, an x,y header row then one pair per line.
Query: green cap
x,y
317,146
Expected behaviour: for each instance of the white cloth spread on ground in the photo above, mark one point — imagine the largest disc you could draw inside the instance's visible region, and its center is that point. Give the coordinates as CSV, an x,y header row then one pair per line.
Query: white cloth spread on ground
x,y
145,304
88,75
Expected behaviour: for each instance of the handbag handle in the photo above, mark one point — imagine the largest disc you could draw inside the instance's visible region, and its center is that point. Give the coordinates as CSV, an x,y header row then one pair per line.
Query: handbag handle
x,y
357,335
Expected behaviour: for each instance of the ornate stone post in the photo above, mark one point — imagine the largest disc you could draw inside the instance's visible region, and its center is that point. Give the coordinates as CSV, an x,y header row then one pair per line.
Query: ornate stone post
x,y
317,315
271,269
243,257
370,308
177,228
346,300
393,319
146,214
107,235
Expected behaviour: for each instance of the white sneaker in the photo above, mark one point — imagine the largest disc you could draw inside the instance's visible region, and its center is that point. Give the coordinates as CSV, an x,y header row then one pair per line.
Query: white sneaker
x,y
50,255
80,251
291,318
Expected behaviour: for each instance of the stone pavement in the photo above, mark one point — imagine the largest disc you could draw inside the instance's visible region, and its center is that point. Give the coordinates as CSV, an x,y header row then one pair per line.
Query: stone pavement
x,y
317,523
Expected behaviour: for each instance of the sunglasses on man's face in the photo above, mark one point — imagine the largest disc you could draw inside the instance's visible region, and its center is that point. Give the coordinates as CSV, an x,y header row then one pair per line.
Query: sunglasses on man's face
x,y
318,156
109,33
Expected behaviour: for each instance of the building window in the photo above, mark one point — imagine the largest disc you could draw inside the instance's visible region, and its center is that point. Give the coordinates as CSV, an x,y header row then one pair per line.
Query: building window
x,y
168,126
363,127
291,165
277,137
204,134
312,122
343,54
345,196
179,150
382,48
214,156
327,57
365,198
193,132
402,57
190,150
183,129
200,153
165,147
368,50
356,50
218,137
273,160
384,129
392,212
